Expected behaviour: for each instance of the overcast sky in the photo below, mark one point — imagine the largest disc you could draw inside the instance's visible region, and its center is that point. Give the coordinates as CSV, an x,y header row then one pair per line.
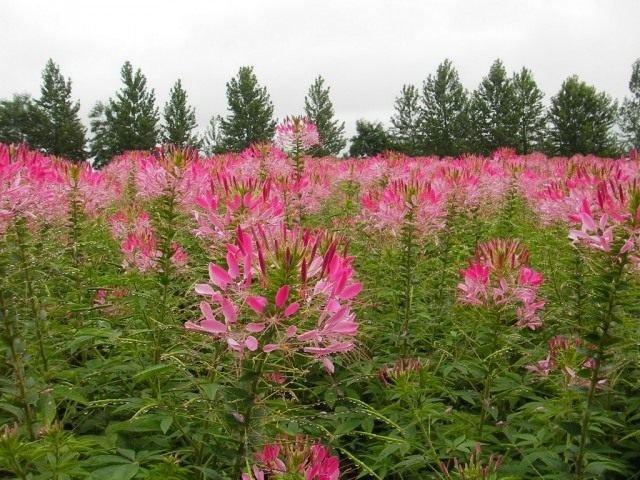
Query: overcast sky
x,y
366,50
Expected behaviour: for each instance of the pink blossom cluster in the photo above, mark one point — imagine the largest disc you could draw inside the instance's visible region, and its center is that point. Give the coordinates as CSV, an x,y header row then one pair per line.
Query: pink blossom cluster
x,y
565,355
282,290
388,210
33,188
296,134
499,277
139,244
263,160
237,203
611,214
294,459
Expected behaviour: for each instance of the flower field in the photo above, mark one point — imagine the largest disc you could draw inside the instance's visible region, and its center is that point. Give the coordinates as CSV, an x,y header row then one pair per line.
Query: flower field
x,y
265,315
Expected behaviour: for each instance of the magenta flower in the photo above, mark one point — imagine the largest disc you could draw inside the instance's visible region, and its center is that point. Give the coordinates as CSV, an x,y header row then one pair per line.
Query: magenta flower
x,y
294,459
498,278
282,290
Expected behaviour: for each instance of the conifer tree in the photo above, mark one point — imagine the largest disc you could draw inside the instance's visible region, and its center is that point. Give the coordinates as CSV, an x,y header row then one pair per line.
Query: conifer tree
x,y
179,119
630,111
64,134
529,112
250,117
101,147
444,114
127,122
319,109
405,123
493,113
581,119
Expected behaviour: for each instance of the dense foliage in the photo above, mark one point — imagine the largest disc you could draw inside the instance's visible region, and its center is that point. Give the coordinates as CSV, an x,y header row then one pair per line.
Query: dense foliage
x,y
268,315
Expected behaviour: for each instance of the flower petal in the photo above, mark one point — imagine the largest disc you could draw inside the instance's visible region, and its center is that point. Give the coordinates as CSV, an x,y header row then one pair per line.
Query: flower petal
x,y
219,276
251,343
291,309
257,304
204,289
282,295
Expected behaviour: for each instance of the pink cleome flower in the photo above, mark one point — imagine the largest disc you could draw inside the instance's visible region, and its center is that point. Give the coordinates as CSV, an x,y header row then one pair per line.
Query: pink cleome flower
x,y
282,290
296,133
296,459
498,277
138,242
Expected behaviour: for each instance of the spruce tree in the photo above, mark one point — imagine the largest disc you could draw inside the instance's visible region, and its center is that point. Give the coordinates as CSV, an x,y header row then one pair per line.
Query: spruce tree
x,y
493,111
319,109
370,139
22,121
444,114
179,119
127,122
102,145
211,143
529,112
250,118
630,111
405,123
65,134
581,119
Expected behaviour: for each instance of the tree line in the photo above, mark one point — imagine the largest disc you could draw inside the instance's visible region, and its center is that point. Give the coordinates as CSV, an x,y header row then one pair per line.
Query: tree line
x,y
442,118
439,117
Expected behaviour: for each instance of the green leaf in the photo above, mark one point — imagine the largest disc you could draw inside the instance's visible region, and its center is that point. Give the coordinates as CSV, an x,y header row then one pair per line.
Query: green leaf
x,y
64,392
165,424
348,426
152,372
116,472
210,390
572,428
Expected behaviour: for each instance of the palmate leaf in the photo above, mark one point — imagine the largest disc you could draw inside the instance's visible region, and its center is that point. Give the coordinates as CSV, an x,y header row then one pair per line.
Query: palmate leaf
x,y
123,471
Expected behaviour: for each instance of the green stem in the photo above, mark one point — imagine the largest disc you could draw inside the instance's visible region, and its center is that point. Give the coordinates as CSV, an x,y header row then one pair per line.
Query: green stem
x,y
607,320
244,447
75,249
18,367
31,298
408,267
486,391
299,167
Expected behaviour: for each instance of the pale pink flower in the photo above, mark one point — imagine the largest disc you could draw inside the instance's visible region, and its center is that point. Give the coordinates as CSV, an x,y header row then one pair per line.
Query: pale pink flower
x,y
296,134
